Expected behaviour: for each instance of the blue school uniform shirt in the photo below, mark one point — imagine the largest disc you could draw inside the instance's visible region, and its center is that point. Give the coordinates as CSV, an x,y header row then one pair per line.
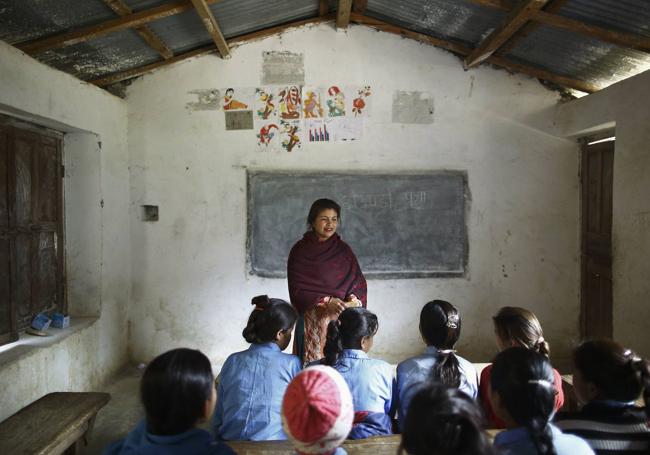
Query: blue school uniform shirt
x,y
518,442
413,373
249,396
141,442
371,381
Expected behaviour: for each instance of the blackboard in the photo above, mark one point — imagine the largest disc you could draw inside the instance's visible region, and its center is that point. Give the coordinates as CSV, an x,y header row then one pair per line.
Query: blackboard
x,y
399,225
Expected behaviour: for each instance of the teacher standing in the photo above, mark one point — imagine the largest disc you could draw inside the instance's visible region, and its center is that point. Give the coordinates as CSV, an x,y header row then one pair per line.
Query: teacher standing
x,y
324,279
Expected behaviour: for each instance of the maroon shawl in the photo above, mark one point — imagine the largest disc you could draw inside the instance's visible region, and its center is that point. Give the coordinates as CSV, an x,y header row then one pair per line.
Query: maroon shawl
x,y
320,269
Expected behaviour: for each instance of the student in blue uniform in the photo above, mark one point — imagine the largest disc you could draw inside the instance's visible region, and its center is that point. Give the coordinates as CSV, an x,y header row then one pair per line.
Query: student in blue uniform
x,y
442,420
440,330
523,396
252,382
177,391
371,381
607,379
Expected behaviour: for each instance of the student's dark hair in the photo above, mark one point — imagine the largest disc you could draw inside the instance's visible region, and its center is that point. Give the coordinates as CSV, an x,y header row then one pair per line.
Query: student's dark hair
x,y
318,206
347,331
445,421
440,327
268,318
525,383
521,327
617,372
174,389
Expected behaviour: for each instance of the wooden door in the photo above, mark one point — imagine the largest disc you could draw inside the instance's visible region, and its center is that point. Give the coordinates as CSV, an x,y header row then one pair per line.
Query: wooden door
x,y
596,257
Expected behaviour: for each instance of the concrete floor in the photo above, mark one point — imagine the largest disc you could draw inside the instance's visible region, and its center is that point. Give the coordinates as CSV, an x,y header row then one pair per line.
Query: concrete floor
x,y
120,415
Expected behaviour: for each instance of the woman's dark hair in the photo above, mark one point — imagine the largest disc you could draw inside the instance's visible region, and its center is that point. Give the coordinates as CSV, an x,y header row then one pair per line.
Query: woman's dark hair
x,y
440,327
268,318
318,206
174,389
618,373
522,327
525,383
442,420
347,331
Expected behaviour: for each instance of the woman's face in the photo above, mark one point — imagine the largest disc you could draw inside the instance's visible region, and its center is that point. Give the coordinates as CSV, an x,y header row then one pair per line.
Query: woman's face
x,y
325,224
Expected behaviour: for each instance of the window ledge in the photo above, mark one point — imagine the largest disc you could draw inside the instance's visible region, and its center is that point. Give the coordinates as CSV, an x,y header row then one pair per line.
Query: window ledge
x,y
28,345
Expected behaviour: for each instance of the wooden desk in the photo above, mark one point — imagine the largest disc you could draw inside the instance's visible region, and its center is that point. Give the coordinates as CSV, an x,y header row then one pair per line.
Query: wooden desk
x,y
54,424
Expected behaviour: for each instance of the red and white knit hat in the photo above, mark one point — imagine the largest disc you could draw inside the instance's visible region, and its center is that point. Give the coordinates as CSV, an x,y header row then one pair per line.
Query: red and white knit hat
x,y
317,410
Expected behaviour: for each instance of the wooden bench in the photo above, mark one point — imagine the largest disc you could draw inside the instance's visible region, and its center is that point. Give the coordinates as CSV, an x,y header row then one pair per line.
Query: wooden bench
x,y
56,423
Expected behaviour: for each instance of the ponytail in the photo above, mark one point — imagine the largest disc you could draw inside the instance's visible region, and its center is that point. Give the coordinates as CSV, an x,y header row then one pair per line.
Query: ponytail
x,y
523,378
618,373
440,327
268,318
333,346
347,331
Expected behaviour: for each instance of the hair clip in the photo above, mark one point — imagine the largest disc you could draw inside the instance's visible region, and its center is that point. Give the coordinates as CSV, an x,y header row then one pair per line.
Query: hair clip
x,y
452,321
447,351
541,340
542,382
631,356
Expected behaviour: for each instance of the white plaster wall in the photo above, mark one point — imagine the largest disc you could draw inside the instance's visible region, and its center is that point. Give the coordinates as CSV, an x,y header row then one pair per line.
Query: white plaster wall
x,y
625,105
98,247
190,282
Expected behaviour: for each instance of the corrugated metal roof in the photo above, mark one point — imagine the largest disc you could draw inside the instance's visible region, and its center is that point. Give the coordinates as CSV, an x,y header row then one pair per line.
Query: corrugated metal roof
x,y
456,20
461,21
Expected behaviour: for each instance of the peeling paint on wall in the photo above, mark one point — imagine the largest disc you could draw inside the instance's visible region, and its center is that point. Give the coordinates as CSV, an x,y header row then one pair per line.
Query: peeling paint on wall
x,y
208,100
239,120
412,107
283,68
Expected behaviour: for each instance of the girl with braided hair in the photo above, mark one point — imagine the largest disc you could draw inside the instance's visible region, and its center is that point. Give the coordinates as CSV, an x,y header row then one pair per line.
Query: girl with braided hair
x,y
514,326
607,379
440,325
252,382
523,397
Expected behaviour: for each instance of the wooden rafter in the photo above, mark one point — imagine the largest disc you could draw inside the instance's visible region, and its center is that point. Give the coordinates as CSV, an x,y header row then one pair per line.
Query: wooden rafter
x,y
516,19
144,31
128,74
464,50
323,7
343,13
94,31
212,27
359,6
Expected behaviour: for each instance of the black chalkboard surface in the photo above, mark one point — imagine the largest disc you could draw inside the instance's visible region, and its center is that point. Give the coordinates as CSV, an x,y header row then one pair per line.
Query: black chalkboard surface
x,y
399,225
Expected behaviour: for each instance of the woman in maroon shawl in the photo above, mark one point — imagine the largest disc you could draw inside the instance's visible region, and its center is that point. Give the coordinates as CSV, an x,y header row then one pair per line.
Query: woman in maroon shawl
x,y
324,279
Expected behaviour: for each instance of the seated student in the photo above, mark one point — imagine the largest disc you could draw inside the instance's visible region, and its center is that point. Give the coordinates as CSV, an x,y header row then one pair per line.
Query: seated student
x,y
607,378
317,411
177,391
523,396
252,382
440,330
371,381
442,420
515,326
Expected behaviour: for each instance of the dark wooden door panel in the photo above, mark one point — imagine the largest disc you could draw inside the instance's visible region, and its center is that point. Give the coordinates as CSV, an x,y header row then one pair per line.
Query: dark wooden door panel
x,y
21,277
4,180
47,296
596,268
23,152
6,321
47,168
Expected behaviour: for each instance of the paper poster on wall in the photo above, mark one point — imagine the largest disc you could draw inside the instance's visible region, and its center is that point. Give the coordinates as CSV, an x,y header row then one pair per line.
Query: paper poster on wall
x,y
268,135
289,102
359,101
311,103
237,98
344,128
335,101
316,131
290,135
265,104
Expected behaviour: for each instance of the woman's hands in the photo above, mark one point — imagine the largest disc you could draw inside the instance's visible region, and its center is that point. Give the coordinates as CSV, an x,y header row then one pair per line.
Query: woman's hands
x,y
352,301
336,305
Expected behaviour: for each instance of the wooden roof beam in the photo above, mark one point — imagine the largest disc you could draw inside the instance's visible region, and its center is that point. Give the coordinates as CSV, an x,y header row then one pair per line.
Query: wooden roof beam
x,y
144,31
211,25
516,19
323,7
343,13
464,50
94,31
260,34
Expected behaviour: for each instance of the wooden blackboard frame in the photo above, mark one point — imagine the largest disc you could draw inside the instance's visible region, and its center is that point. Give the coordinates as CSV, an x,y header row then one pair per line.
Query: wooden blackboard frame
x,y
371,274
